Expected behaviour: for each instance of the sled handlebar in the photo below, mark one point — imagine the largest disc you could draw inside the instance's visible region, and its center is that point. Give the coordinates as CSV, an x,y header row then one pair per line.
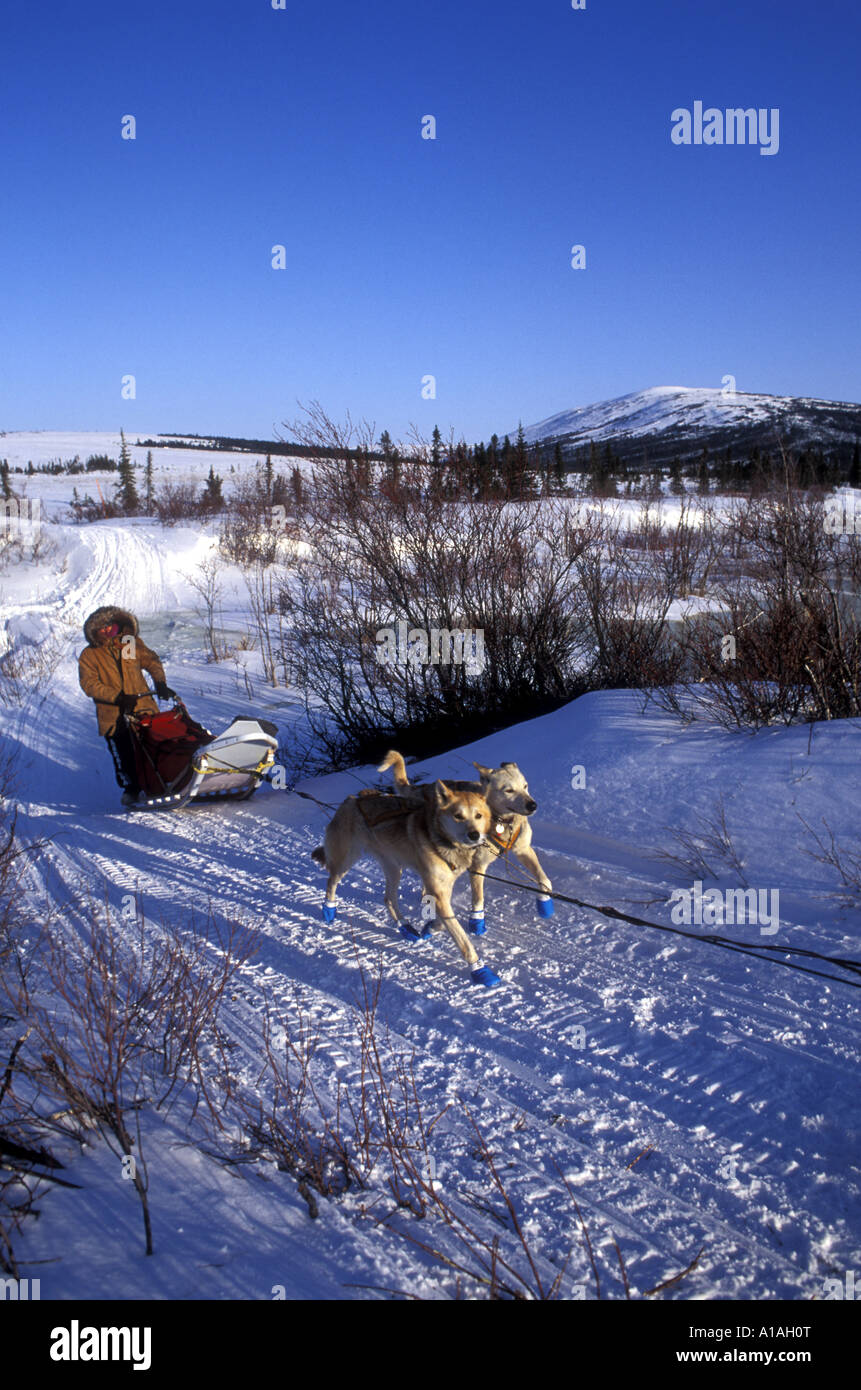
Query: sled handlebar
x,y
131,715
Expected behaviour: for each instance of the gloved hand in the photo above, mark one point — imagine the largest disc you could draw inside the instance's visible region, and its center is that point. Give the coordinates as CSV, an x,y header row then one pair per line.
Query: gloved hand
x,y
126,702
164,692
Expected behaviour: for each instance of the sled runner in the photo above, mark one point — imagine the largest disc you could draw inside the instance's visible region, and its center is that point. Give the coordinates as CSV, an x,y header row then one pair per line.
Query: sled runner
x,y
178,760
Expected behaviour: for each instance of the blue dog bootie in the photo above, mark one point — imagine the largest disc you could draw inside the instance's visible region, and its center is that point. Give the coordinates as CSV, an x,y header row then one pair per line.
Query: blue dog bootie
x,y
483,975
329,912
544,905
409,931
476,924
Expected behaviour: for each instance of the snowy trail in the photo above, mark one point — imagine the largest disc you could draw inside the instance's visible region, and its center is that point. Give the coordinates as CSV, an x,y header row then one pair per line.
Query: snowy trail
x,y
701,1054
664,1062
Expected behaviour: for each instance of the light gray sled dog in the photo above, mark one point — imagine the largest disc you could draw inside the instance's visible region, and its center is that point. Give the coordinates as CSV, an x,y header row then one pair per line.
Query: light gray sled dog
x,y
436,835
506,792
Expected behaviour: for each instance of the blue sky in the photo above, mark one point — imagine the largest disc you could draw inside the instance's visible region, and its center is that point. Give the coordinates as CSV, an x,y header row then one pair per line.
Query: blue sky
x,y
409,257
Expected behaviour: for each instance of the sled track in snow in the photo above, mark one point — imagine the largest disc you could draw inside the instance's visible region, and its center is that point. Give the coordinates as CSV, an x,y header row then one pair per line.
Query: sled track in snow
x,y
511,1050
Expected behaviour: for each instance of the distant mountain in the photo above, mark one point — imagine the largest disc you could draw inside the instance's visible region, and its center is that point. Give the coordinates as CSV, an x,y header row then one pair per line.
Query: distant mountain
x,y
667,422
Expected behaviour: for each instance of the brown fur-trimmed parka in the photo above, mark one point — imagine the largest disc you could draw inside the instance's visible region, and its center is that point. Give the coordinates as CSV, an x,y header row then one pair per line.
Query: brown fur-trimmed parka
x,y
110,668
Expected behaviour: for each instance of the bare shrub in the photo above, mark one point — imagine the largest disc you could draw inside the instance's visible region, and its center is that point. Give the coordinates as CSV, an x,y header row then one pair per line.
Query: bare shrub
x,y
120,1022
844,861
247,534
372,1129
177,502
15,955
510,1265
384,551
259,533
263,584
24,533
713,838
85,509
207,583
27,667
19,1180
683,552
261,514
785,645
628,609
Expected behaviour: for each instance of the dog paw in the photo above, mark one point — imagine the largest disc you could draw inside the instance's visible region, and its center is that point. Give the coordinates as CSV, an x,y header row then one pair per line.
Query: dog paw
x,y
545,907
476,925
483,975
411,934
329,912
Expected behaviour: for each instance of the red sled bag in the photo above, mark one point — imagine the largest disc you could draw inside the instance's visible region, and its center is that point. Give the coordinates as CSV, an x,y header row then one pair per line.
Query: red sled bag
x,y
165,744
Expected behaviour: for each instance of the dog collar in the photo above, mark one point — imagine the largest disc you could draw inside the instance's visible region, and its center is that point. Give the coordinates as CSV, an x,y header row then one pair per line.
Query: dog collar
x,y
497,835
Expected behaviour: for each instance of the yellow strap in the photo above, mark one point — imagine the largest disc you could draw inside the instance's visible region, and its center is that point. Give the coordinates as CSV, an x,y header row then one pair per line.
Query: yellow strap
x,y
248,771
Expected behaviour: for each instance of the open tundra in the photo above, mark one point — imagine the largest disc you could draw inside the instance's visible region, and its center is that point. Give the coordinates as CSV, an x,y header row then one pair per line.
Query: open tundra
x,y
695,1100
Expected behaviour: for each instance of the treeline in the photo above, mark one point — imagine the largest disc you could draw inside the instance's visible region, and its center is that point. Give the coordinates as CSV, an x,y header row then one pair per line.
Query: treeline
x,y
96,463
222,443
603,472
504,468
457,470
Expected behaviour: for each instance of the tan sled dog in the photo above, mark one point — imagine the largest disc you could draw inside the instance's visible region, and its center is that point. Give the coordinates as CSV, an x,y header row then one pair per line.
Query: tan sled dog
x,y
506,792
437,837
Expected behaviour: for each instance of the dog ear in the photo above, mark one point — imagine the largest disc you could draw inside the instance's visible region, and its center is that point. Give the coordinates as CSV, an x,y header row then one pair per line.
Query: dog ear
x,y
486,772
508,764
442,793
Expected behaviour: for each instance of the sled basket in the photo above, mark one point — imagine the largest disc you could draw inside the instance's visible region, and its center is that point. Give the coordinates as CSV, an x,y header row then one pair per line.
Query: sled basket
x,y
180,761
165,745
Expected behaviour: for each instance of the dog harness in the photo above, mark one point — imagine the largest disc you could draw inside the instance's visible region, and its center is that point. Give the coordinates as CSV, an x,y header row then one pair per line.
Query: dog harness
x,y
496,837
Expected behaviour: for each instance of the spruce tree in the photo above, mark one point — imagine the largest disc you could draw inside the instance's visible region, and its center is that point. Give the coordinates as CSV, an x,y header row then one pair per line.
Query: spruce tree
x,y
559,471
212,500
703,474
436,447
492,461
478,466
506,465
126,487
515,464
267,479
593,468
149,487
608,473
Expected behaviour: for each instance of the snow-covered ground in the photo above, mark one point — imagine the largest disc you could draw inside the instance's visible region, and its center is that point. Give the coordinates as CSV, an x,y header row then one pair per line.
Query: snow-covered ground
x,y
171,464
693,1098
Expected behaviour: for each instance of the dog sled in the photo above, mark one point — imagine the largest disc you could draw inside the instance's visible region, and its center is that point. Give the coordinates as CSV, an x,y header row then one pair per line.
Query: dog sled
x,y
179,761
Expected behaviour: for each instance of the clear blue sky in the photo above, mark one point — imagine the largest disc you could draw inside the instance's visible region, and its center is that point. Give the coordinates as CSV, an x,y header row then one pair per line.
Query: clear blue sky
x,y
405,256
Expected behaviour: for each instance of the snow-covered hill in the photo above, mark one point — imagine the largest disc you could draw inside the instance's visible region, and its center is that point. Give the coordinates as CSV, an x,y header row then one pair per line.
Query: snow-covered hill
x,y
684,418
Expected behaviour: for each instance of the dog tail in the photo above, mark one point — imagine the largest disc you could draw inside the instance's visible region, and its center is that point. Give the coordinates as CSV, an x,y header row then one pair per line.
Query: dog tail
x,y
319,855
395,761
